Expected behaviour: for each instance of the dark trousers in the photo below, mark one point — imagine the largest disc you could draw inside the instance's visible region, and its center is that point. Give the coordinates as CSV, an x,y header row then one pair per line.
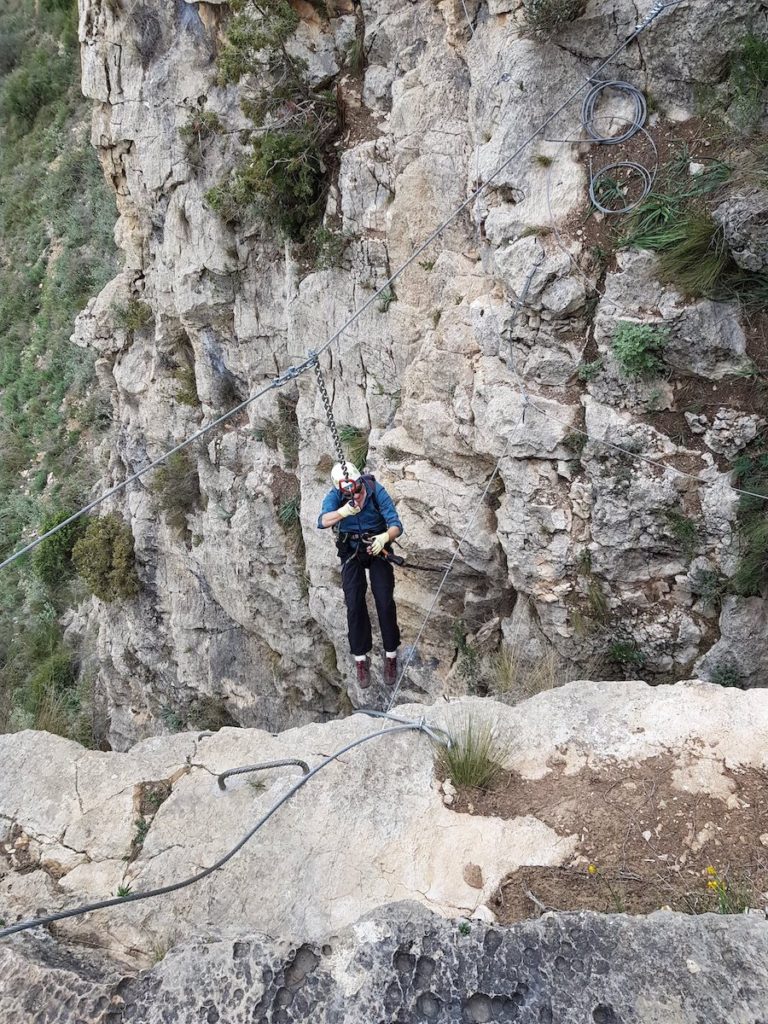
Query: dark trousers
x,y
355,587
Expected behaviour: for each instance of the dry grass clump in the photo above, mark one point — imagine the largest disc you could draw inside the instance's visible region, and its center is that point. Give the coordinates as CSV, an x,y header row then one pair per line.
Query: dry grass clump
x,y
475,755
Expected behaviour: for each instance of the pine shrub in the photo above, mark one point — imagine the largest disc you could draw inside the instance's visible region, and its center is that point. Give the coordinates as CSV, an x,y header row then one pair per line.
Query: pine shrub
x,y
104,559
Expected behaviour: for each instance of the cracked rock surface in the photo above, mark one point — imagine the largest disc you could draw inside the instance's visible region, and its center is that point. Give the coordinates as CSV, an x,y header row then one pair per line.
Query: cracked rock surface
x,y
371,829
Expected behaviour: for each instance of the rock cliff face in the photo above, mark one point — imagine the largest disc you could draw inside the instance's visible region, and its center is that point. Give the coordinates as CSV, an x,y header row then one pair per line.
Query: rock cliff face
x,y
300,924
406,965
240,617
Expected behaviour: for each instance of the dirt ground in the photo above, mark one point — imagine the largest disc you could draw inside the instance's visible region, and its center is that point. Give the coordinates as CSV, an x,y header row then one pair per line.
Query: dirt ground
x,y
643,843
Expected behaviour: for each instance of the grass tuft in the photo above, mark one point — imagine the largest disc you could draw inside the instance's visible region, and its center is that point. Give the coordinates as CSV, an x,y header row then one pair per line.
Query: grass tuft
x,y
475,756
355,442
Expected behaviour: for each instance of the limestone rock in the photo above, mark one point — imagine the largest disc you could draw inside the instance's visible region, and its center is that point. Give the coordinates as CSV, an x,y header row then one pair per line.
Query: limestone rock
x,y
737,659
731,431
408,962
371,828
241,621
744,219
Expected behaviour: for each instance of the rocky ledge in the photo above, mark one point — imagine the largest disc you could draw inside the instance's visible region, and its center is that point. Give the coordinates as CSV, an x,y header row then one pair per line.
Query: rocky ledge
x,y
654,785
405,964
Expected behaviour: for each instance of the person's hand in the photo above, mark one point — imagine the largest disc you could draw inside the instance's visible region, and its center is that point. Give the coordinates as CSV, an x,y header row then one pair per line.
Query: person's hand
x,y
350,509
377,545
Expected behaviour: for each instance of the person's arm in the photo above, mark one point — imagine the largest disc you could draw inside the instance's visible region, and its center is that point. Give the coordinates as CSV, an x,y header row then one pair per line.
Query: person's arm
x,y
391,518
333,511
388,511
331,518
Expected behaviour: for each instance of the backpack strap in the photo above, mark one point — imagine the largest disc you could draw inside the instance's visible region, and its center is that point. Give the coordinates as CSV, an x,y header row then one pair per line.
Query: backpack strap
x,y
370,485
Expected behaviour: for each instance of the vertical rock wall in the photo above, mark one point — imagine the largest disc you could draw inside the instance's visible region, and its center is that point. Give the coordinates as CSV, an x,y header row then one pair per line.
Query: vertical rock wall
x,y
241,620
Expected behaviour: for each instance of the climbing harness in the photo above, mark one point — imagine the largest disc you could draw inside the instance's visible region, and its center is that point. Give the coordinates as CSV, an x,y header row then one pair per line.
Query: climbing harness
x,y
365,540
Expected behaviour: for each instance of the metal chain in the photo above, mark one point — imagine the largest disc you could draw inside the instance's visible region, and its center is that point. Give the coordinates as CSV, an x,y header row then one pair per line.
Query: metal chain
x,y
315,359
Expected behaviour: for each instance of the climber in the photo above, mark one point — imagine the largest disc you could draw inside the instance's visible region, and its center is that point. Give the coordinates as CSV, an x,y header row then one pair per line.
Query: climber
x,y
367,523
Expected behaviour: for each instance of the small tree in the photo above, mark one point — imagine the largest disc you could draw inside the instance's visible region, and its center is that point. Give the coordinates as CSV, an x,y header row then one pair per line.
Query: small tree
x,y
104,559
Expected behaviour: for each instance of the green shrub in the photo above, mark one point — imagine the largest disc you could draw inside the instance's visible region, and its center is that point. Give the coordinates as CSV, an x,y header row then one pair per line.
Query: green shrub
x,y
187,380
588,371
354,60
355,443
748,81
287,433
684,531
327,248
176,486
284,180
638,348
547,17
575,441
40,79
710,586
200,127
475,756
627,654
257,27
726,673
467,657
52,560
52,677
104,559
57,216
135,315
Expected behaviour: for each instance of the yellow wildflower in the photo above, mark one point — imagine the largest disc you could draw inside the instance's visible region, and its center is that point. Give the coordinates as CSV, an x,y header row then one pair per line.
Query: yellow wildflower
x,y
712,884
711,870
592,869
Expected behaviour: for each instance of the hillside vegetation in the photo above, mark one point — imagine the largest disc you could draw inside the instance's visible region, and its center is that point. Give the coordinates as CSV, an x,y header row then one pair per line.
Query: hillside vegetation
x,y
56,251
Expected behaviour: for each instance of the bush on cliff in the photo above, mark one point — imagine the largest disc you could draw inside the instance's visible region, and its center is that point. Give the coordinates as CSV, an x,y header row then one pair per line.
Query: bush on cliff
x,y
104,559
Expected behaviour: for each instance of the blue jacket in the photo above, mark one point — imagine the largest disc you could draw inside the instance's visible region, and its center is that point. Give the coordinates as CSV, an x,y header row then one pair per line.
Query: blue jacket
x,y
369,520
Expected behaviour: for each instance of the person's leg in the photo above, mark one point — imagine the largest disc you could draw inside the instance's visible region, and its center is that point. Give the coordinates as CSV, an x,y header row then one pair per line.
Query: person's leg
x,y
355,587
383,587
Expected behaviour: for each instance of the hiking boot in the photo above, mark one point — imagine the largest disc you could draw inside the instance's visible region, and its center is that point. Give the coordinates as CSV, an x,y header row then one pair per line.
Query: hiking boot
x,y
363,673
390,670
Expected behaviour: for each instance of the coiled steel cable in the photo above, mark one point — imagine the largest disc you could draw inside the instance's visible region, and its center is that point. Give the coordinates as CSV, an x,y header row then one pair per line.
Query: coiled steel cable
x,y
628,168
635,122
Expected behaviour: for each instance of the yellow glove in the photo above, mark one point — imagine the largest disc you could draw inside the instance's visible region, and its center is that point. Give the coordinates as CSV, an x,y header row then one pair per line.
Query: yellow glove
x,y
348,510
378,543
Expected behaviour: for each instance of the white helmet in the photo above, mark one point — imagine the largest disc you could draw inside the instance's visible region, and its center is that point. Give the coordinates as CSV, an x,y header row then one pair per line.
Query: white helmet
x,y
337,473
